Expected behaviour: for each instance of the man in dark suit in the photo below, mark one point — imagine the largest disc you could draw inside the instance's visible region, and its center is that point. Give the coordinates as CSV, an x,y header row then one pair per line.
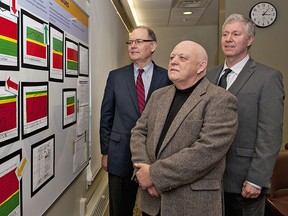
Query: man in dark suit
x,y
260,94
180,141
119,112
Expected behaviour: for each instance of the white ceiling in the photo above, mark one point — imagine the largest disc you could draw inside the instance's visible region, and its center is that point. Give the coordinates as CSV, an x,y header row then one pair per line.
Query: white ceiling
x,y
168,13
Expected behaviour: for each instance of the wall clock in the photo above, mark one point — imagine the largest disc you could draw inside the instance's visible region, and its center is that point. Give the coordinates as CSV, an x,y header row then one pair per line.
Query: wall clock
x,y
263,14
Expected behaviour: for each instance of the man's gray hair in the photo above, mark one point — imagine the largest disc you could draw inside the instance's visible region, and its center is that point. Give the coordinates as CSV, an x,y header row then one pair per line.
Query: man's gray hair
x,y
250,25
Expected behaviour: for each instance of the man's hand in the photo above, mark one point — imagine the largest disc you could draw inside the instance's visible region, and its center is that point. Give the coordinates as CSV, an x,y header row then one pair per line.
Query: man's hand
x,y
249,191
153,192
143,175
104,162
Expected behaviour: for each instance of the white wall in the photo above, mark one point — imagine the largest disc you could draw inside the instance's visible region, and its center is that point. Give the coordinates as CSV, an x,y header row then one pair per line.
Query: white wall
x,y
107,38
108,51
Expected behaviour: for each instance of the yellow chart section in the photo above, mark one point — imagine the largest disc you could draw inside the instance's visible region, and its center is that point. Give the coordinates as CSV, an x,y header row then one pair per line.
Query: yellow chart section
x,y
74,10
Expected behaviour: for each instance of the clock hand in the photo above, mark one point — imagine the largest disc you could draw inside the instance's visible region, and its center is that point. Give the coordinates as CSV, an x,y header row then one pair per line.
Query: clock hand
x,y
264,13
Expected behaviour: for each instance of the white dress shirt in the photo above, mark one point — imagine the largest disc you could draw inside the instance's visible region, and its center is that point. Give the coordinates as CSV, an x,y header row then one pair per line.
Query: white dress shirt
x,y
146,76
236,69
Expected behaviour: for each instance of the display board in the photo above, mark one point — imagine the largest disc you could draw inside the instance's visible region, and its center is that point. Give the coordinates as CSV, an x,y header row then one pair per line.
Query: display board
x,y
44,102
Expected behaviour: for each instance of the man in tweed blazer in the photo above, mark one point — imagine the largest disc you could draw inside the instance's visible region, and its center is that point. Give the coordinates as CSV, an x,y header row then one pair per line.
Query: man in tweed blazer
x,y
179,143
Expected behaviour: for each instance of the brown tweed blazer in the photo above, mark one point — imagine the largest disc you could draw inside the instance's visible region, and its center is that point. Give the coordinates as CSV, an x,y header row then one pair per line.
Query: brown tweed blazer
x,y
188,169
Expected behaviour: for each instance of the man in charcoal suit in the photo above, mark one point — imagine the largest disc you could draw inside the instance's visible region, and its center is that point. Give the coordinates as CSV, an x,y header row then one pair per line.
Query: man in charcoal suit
x,y
260,93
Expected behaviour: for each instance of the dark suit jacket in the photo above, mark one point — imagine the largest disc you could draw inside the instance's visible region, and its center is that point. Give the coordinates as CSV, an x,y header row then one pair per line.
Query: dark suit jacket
x,y
260,93
189,167
119,113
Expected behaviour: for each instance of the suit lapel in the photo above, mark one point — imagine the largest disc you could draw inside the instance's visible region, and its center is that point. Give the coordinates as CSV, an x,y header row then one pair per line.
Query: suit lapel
x,y
129,77
244,75
214,75
187,107
155,82
130,80
242,78
162,112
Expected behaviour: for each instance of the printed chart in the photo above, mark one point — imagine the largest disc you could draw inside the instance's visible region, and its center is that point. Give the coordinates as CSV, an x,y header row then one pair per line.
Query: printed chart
x,y
56,54
9,46
34,107
10,186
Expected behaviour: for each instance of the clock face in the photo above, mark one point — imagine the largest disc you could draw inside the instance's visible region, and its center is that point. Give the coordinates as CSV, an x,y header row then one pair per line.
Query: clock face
x,y
263,14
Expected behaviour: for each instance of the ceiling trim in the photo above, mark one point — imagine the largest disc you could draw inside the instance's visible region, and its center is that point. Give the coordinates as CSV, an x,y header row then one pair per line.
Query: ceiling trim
x,y
123,15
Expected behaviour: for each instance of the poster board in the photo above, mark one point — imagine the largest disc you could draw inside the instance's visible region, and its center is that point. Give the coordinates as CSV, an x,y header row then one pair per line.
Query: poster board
x,y
44,101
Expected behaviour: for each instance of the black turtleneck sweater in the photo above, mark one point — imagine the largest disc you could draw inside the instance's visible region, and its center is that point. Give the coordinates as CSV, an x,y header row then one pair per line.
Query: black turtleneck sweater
x,y
179,99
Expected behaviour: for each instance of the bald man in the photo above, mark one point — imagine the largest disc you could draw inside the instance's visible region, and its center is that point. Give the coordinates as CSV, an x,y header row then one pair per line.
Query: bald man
x,y
179,143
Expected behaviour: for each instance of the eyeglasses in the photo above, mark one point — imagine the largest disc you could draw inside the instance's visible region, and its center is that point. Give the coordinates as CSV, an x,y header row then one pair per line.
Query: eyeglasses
x,y
137,42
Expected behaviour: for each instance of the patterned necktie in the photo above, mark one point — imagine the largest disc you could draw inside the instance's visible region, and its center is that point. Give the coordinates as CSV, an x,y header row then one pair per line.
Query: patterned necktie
x,y
223,79
140,90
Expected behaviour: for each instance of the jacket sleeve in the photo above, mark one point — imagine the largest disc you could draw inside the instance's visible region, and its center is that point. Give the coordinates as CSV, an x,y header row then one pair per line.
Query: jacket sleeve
x,y
107,115
269,130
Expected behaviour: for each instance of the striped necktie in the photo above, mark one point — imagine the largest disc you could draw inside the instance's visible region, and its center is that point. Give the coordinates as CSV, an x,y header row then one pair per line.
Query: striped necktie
x,y
223,79
140,90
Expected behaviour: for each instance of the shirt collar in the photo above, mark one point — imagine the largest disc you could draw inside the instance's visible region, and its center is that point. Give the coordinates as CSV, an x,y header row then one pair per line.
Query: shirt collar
x,y
239,66
148,70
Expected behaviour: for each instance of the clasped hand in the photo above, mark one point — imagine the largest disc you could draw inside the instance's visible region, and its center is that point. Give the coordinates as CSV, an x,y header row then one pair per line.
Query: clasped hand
x,y
249,191
143,177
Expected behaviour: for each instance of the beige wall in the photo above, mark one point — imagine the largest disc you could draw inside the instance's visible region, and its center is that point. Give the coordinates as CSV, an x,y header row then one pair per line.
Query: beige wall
x,y
168,37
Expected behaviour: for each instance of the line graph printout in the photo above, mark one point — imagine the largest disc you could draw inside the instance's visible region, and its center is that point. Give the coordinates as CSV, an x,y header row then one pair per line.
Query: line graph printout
x,y
9,46
43,163
9,128
56,54
34,107
10,187
71,58
34,36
